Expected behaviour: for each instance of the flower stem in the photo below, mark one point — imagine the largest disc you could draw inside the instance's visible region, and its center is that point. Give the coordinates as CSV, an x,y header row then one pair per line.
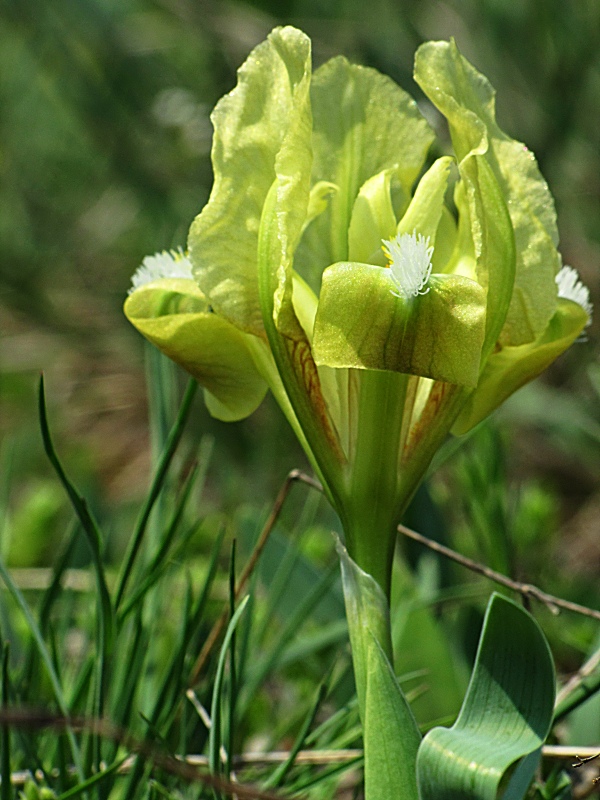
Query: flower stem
x,y
369,513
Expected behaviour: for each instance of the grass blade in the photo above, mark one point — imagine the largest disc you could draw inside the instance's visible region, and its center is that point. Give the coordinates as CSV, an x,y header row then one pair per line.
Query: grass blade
x,y
5,786
78,790
47,660
155,489
282,770
88,524
160,562
215,711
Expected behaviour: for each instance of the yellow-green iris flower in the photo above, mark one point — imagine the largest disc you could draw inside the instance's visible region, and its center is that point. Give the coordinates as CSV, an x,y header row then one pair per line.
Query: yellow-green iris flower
x,y
383,301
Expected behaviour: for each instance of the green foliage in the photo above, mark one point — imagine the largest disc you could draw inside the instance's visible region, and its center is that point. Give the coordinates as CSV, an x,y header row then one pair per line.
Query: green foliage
x,y
282,639
390,733
506,714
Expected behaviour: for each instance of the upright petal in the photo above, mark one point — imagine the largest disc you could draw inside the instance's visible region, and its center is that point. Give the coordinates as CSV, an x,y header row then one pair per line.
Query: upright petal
x,y
467,100
363,124
250,125
282,222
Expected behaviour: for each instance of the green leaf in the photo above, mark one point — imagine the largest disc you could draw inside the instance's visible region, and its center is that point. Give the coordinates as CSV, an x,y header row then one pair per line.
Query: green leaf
x,y
390,734
509,368
360,323
506,714
250,124
175,316
376,127
467,100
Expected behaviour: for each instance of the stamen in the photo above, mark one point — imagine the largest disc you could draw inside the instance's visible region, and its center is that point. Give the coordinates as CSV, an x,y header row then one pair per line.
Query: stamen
x,y
571,288
409,255
168,264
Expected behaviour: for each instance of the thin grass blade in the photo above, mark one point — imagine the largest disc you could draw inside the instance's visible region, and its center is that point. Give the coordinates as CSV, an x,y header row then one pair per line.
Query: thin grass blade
x,y
155,489
47,661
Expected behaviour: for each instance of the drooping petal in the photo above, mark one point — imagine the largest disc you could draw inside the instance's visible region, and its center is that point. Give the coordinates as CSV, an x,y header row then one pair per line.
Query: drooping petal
x,y
467,100
360,323
509,368
175,316
250,125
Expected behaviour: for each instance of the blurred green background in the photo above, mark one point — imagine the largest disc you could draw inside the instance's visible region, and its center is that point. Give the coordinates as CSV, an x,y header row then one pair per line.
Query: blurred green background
x,y
104,157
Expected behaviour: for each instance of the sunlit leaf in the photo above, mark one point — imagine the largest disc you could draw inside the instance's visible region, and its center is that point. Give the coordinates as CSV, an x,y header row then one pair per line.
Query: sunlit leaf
x,y
506,714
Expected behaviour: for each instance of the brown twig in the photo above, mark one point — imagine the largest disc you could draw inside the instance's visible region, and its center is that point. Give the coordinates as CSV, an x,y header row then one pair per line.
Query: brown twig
x,y
587,669
581,761
526,590
29,718
581,755
294,476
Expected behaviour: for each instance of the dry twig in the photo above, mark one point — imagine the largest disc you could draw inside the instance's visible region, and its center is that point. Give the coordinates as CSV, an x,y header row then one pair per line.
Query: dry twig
x,y
294,476
526,590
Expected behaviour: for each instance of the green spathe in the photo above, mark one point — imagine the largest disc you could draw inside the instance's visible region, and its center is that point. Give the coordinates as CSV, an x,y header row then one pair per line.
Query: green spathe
x,y
390,732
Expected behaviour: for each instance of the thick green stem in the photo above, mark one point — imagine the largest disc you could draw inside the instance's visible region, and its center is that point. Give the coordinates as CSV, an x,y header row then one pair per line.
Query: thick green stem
x,y
369,515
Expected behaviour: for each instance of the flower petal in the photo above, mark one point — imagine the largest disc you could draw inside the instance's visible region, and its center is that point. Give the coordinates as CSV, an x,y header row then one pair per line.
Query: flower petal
x,y
511,367
361,324
250,125
363,124
175,316
425,209
467,100
373,219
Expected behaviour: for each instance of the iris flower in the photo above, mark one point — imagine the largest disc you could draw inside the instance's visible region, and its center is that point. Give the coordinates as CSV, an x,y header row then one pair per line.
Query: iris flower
x,y
383,300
